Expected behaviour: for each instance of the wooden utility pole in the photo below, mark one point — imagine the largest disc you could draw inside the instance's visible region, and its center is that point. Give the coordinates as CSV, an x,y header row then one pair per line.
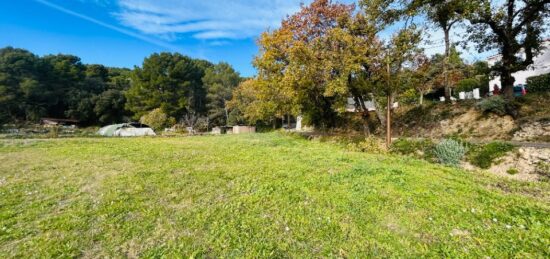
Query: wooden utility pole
x,y
447,89
388,107
388,123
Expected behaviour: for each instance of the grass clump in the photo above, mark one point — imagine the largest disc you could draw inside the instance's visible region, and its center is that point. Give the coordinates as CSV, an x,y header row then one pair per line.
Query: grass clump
x,y
512,171
483,156
369,145
53,132
417,148
543,169
449,152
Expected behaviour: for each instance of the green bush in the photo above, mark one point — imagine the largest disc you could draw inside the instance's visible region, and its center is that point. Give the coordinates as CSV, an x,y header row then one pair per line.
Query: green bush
x,y
201,125
416,148
467,85
539,83
369,145
494,104
512,171
409,97
449,152
483,156
157,119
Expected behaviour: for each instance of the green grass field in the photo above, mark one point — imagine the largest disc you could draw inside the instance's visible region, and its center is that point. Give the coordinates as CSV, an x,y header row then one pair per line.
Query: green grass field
x,y
262,195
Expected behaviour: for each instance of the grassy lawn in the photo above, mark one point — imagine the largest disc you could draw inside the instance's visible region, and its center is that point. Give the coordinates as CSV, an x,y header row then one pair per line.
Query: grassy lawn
x,y
262,195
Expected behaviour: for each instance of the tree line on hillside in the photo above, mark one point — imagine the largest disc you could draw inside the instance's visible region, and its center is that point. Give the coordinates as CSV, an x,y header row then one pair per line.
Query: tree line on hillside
x,y
329,52
61,86
310,66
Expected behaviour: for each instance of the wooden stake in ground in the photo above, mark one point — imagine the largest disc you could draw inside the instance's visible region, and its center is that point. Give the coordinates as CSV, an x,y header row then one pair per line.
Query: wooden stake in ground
x,y
388,108
388,122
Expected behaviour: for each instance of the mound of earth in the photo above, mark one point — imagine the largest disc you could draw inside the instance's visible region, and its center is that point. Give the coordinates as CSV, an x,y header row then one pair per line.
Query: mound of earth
x,y
455,120
526,164
473,124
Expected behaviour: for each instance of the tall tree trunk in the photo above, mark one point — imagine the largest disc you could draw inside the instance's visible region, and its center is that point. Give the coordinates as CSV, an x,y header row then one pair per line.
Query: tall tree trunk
x,y
507,82
226,113
288,121
360,106
366,129
379,111
360,103
446,31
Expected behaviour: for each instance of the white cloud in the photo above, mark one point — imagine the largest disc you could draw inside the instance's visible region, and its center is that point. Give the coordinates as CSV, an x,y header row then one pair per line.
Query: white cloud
x,y
204,19
218,43
107,25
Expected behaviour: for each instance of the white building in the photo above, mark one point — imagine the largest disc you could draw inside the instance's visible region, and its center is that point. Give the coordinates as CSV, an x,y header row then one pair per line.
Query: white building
x,y
541,65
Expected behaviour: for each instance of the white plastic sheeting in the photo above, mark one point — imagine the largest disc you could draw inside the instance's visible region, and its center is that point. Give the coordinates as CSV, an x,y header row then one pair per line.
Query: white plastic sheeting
x,y
134,132
126,130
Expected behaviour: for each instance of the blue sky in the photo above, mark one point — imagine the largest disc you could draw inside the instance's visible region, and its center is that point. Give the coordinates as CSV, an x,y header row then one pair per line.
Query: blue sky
x,y
123,32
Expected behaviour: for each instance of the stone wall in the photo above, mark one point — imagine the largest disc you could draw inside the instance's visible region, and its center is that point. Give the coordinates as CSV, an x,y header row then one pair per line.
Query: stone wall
x,y
533,131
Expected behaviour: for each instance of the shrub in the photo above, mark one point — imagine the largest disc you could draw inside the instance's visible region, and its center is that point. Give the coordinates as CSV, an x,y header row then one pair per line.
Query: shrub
x,y
512,171
409,97
467,85
416,148
157,119
494,104
370,145
483,156
201,125
543,169
539,83
53,132
449,152
460,140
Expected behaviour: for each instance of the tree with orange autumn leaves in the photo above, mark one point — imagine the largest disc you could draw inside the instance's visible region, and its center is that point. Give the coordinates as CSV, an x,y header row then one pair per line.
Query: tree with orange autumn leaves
x,y
323,55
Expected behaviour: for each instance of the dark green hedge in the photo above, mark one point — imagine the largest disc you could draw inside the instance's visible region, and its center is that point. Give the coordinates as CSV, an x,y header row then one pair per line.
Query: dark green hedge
x,y
539,83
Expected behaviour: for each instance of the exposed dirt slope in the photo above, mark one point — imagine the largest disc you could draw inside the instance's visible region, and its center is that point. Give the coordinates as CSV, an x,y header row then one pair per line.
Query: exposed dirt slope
x,y
463,119
443,120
